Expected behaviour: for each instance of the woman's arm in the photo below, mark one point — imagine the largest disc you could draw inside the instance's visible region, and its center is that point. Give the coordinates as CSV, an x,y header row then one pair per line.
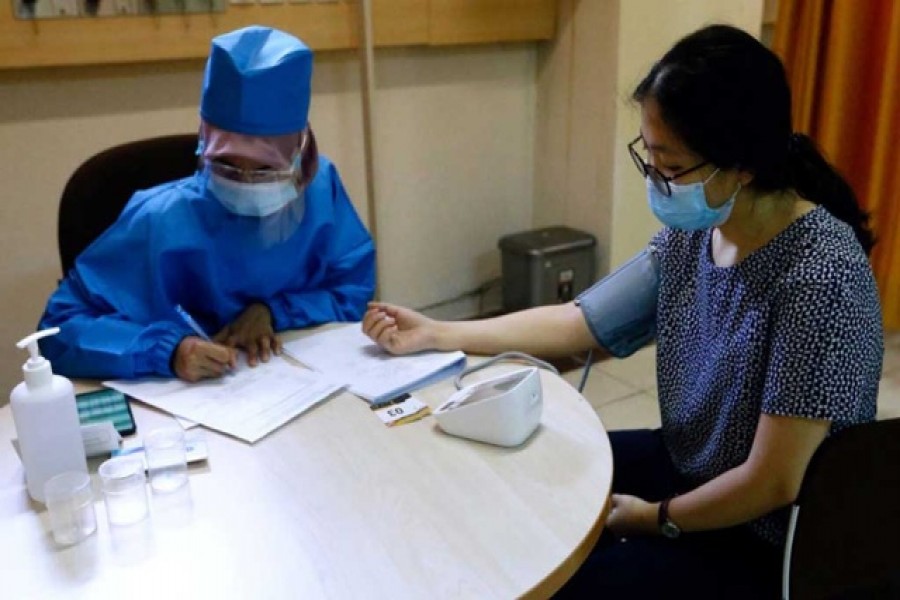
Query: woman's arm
x,y
769,479
555,330
621,309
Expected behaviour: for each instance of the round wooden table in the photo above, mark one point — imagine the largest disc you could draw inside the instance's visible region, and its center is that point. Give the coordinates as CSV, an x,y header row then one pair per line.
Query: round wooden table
x,y
337,505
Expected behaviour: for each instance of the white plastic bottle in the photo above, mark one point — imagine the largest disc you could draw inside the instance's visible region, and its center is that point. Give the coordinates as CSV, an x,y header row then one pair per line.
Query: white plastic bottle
x,y
46,418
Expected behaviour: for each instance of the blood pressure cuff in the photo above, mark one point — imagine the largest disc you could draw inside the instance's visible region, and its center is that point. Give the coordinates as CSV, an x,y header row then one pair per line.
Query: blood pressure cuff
x,y
620,309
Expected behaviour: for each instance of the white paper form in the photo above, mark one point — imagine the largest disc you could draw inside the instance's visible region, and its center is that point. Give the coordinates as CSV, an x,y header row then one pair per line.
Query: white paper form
x,y
248,403
373,374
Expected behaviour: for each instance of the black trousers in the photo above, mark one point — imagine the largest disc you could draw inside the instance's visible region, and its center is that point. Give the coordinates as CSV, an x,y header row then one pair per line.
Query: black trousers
x,y
725,563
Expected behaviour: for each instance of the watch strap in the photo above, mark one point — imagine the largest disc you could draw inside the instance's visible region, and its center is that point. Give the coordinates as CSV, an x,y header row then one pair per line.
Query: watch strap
x,y
666,526
663,515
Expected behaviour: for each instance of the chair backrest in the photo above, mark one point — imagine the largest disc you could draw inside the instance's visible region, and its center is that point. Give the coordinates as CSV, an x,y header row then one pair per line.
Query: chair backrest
x,y
99,189
844,537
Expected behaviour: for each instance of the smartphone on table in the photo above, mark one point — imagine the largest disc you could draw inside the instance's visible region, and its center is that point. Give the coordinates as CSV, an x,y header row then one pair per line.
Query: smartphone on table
x,y
106,405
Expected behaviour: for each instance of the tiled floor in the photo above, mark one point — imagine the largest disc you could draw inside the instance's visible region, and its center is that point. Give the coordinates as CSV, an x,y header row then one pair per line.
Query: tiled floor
x,y
623,392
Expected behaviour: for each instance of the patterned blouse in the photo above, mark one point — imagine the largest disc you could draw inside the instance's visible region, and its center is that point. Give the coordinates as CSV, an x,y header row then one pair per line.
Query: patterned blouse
x,y
794,329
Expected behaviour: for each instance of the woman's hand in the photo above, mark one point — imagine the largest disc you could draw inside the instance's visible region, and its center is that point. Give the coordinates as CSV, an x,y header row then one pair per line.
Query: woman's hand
x,y
630,515
399,330
197,359
252,332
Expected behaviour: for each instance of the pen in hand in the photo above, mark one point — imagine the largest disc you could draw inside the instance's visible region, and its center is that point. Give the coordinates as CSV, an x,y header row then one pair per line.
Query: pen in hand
x,y
189,320
195,327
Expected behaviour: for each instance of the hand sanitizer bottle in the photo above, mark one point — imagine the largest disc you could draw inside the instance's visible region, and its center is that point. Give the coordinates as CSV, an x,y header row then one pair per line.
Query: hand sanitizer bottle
x,y
46,419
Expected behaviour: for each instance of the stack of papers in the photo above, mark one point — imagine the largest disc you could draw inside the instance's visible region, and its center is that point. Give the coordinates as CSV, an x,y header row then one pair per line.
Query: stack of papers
x,y
248,403
348,355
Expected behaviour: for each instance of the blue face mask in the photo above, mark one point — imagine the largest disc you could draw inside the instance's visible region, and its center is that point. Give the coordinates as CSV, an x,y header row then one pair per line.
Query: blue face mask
x,y
252,199
687,207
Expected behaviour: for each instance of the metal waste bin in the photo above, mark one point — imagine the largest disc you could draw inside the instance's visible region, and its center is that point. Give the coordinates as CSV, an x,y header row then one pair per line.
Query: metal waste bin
x,y
546,266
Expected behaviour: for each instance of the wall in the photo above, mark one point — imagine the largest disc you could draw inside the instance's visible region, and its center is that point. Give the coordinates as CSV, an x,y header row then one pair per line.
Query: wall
x,y
454,136
577,103
454,131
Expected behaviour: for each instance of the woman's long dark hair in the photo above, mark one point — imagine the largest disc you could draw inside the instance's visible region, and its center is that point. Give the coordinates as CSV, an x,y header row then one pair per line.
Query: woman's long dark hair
x,y
727,97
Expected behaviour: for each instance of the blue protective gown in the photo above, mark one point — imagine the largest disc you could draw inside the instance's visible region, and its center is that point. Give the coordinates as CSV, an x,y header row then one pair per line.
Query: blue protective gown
x,y
176,244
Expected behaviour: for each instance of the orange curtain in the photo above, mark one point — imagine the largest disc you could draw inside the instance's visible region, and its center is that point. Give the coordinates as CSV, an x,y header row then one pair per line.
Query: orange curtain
x,y
843,63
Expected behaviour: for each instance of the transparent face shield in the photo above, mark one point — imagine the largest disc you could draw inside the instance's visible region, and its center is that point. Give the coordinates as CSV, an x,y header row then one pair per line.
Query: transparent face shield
x,y
275,199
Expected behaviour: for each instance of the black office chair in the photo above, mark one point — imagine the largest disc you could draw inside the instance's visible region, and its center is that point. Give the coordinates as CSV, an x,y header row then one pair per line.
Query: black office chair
x,y
99,189
844,534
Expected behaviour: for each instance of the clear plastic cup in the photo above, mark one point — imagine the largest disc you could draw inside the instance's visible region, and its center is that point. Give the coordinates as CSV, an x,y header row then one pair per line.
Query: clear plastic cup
x,y
166,459
70,504
124,491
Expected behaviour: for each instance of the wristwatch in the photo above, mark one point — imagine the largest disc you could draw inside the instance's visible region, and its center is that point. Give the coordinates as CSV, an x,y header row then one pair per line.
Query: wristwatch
x,y
667,527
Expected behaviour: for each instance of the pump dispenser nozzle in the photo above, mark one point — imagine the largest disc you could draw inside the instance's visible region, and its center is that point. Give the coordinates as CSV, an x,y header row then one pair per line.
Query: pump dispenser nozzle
x,y
37,369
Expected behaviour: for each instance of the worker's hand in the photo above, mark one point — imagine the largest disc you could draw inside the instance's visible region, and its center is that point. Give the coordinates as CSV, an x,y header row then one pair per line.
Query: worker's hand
x,y
252,332
197,359
630,515
399,330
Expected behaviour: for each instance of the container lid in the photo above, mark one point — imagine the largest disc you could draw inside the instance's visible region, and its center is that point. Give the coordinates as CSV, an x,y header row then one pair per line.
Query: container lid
x,y
37,370
549,240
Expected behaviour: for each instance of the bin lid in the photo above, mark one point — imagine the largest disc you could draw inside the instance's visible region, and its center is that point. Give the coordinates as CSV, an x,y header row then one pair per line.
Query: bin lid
x,y
548,240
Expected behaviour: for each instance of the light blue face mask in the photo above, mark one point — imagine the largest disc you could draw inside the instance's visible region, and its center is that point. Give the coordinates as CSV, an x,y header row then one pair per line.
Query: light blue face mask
x,y
252,199
687,207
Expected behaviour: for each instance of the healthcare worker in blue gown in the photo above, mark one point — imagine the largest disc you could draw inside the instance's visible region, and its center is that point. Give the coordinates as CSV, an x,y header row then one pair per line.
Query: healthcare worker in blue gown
x,y
262,238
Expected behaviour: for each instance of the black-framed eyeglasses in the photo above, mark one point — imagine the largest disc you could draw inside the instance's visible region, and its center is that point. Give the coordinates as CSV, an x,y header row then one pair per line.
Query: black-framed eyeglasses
x,y
660,181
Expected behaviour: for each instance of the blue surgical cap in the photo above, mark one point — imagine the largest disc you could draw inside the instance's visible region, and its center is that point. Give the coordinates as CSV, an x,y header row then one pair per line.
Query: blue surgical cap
x,y
257,82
